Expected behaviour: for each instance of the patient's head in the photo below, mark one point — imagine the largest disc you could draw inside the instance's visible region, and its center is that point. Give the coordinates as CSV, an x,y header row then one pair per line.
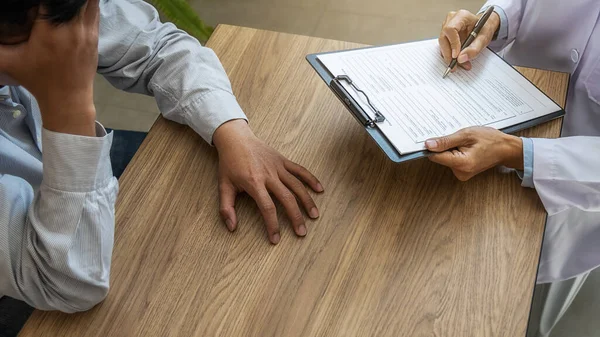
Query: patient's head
x,y
17,16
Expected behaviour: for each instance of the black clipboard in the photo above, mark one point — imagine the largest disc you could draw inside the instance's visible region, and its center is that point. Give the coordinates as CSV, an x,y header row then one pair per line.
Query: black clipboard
x,y
369,123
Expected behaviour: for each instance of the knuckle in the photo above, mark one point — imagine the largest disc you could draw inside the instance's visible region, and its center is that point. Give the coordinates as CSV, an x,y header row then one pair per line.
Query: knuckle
x,y
297,218
268,207
223,184
443,141
470,132
299,167
464,12
223,189
448,30
295,183
288,199
309,202
478,46
254,179
272,228
224,212
468,166
301,193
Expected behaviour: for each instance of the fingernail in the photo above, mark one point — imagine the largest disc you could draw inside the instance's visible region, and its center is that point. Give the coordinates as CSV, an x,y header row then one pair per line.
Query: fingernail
x,y
275,239
229,224
463,58
314,213
320,188
431,144
454,54
302,230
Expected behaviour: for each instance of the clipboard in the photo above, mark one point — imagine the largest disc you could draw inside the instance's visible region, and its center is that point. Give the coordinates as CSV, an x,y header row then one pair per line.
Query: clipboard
x,y
370,124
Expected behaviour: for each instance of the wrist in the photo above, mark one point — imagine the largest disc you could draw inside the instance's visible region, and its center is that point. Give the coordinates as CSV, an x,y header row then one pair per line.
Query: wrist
x,y
231,132
71,116
512,156
493,22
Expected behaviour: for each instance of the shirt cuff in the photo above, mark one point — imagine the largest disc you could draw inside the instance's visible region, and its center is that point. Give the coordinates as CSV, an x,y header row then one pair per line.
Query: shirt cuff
x,y
74,163
527,174
502,30
214,109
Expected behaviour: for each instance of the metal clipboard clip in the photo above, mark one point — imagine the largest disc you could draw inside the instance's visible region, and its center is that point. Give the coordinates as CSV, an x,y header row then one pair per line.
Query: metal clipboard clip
x,y
353,106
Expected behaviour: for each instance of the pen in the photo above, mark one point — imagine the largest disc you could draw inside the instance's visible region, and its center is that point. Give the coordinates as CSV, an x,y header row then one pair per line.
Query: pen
x,y
480,23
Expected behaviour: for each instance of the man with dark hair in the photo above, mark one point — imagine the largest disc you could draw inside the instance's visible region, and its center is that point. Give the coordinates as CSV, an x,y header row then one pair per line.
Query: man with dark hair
x,y
57,190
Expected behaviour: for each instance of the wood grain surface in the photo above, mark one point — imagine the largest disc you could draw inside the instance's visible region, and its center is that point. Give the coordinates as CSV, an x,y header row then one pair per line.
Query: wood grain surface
x,y
399,250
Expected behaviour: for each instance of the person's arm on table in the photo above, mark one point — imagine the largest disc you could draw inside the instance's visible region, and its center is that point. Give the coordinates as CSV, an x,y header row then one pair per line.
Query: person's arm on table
x,y
56,243
140,54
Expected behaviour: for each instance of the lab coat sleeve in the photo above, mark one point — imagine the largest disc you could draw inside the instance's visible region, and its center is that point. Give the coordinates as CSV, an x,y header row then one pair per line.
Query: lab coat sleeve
x,y
566,173
513,9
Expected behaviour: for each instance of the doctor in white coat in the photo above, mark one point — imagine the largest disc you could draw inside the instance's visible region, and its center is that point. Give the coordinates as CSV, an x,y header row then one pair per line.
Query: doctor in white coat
x,y
556,35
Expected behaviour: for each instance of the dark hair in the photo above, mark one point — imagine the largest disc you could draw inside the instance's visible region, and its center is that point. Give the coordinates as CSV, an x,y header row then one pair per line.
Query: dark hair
x,y
16,15
60,11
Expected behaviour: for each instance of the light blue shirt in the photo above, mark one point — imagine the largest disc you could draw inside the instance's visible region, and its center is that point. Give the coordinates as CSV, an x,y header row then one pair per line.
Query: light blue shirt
x,y
527,176
57,191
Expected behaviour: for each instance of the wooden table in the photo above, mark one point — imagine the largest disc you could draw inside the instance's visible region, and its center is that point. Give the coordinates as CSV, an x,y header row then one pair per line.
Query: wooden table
x,y
400,250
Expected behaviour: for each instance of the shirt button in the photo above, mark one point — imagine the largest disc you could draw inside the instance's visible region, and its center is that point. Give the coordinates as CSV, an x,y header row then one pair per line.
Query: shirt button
x,y
16,113
574,55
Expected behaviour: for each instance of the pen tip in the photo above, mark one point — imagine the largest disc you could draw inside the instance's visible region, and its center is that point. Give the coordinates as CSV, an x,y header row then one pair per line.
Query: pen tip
x,y
446,73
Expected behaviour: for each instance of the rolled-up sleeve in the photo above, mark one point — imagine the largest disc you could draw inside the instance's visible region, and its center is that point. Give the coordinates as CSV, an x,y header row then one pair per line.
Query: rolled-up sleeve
x,y
56,241
140,54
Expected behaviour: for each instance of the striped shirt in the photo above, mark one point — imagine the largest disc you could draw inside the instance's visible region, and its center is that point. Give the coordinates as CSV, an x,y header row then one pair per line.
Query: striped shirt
x,y
57,191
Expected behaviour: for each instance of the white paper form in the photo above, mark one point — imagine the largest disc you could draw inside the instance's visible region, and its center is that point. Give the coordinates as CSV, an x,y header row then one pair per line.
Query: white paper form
x,y
405,83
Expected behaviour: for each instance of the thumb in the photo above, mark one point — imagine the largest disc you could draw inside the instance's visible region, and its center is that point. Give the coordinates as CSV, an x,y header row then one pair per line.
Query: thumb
x,y
446,142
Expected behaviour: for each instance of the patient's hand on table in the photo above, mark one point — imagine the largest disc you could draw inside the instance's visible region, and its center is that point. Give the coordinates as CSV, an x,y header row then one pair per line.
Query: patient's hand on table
x,y
246,164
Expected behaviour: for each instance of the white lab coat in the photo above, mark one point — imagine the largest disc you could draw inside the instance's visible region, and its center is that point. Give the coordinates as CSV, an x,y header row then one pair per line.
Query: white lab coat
x,y
564,36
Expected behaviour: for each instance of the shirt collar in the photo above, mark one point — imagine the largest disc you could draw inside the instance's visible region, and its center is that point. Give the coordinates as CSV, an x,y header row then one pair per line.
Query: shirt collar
x,y
4,92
